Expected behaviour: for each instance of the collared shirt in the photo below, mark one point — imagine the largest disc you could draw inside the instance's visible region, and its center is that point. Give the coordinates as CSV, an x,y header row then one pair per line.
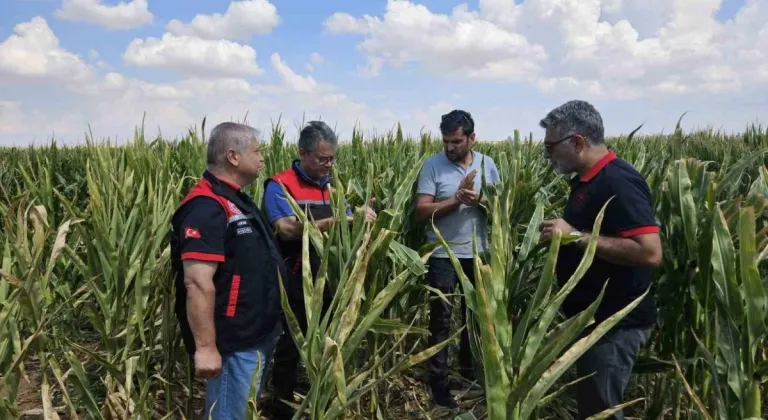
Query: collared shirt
x,y
275,202
630,213
440,178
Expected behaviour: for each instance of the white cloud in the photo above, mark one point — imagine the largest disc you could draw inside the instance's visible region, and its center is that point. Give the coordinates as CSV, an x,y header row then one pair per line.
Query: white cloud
x,y
315,59
290,78
34,52
241,20
193,56
609,48
121,16
16,125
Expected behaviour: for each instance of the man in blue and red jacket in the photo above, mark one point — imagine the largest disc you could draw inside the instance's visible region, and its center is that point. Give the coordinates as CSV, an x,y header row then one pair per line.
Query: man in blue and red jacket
x,y
307,181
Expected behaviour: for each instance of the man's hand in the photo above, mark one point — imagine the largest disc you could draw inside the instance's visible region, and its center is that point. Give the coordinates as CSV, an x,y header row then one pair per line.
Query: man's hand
x,y
468,197
207,362
468,182
548,228
370,214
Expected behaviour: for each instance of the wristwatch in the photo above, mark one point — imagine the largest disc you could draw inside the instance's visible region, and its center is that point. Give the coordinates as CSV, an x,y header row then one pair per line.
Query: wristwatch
x,y
577,235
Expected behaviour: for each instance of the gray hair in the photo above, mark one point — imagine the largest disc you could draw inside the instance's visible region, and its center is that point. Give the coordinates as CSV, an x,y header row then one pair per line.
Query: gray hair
x,y
576,117
314,133
229,136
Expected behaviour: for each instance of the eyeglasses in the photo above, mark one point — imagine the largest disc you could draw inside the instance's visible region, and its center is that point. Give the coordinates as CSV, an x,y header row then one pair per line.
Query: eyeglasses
x,y
325,160
551,146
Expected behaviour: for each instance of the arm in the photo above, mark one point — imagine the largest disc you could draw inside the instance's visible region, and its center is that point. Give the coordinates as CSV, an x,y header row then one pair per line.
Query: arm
x,y
282,217
426,203
201,294
202,249
638,251
290,227
629,216
426,206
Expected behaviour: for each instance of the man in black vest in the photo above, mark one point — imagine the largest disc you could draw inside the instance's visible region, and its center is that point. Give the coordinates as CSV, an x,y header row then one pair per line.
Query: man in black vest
x,y
226,260
307,181
627,251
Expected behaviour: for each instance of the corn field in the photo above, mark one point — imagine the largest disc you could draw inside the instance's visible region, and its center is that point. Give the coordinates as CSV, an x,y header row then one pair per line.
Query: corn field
x,y
87,329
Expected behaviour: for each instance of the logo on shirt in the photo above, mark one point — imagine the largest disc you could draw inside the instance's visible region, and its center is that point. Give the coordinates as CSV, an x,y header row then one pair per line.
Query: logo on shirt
x,y
233,208
191,233
579,199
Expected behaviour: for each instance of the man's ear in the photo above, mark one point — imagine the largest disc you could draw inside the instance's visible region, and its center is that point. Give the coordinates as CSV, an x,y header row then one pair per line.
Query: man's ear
x,y
579,142
233,158
472,139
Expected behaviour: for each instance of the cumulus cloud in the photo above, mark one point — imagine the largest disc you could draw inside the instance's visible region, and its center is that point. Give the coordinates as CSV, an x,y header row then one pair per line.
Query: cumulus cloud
x,y
609,48
292,80
34,52
121,16
241,20
194,56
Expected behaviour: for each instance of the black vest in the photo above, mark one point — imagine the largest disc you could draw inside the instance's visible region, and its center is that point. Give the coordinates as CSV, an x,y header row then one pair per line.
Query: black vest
x,y
247,304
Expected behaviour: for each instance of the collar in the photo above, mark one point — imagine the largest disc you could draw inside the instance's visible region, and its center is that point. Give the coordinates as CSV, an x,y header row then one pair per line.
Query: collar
x,y
213,178
597,167
304,176
472,162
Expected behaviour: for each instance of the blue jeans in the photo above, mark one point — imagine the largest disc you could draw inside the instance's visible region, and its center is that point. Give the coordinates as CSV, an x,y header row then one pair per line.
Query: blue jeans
x,y
231,391
612,359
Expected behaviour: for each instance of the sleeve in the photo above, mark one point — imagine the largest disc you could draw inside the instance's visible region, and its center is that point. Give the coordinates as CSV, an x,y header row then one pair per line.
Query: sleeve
x,y
630,213
276,203
202,231
426,183
493,172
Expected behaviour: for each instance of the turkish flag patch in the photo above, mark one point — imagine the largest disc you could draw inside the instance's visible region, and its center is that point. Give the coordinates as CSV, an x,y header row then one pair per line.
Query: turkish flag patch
x,y
191,233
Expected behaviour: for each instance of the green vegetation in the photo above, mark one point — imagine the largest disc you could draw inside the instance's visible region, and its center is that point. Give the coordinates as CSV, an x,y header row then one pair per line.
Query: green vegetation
x,y
86,299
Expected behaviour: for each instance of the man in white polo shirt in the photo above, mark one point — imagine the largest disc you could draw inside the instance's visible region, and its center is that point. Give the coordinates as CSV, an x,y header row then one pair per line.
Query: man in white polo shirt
x,y
449,192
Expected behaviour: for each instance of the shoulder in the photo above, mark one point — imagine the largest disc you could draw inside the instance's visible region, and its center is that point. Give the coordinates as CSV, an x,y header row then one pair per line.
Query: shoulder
x,y
434,160
201,207
625,179
285,173
485,159
431,163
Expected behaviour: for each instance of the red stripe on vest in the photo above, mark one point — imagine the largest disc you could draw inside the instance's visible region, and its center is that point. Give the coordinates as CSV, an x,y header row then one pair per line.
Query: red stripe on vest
x,y
203,188
233,291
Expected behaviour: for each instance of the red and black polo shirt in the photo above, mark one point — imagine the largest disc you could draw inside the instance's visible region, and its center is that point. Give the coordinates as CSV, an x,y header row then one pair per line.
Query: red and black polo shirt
x,y
628,214
216,222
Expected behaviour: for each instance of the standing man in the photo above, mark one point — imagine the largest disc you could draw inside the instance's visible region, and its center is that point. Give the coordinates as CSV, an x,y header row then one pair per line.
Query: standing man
x,y
449,192
307,181
628,248
226,261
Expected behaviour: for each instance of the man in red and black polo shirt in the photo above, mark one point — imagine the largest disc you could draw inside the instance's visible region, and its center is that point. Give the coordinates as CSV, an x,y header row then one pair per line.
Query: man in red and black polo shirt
x,y
628,248
226,261
307,181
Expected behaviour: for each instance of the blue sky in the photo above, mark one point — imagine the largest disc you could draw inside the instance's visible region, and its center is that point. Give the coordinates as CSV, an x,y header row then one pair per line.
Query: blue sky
x,y
507,62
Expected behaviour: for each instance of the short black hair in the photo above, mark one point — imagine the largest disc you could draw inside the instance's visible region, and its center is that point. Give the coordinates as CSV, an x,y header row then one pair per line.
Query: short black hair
x,y
456,119
314,133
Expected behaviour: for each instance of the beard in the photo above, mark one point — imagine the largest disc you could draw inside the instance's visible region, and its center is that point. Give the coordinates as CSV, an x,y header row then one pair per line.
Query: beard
x,y
560,168
456,156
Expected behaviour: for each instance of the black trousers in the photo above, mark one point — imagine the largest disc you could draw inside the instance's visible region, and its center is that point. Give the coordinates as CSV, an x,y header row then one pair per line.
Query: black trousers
x,y
443,277
611,360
